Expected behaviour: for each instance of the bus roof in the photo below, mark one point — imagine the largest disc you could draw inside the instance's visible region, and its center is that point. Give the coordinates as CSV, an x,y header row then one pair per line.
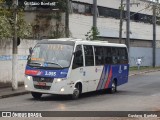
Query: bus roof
x,y
80,41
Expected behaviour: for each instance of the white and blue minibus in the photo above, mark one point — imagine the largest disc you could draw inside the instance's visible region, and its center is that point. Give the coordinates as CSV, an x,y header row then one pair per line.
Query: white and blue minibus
x,y
69,66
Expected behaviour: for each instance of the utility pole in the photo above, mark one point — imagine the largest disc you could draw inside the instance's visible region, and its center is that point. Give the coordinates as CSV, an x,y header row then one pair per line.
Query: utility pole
x,y
95,13
127,18
128,25
67,19
14,49
154,35
121,21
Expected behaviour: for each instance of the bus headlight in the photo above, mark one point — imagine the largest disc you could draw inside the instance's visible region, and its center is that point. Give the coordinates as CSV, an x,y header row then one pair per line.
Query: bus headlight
x,y
59,80
29,77
62,89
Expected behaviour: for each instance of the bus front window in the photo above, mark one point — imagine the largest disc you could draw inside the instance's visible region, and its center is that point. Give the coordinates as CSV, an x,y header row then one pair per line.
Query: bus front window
x,y
51,55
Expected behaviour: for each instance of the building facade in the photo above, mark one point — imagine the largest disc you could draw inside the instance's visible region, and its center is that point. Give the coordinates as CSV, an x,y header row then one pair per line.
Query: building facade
x,y
141,27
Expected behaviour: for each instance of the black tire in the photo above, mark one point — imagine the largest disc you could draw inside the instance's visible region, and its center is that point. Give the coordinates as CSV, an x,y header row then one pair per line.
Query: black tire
x,y
76,94
36,95
113,89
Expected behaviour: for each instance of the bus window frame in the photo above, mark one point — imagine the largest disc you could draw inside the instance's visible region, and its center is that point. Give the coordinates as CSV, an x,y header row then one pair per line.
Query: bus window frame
x,y
85,56
74,56
97,55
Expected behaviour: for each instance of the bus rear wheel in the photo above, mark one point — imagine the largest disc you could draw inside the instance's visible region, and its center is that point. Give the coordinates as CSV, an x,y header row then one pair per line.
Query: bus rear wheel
x,y
36,95
113,88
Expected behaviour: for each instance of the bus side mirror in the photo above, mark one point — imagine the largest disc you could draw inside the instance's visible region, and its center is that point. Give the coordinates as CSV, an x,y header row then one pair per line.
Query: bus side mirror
x,y
30,50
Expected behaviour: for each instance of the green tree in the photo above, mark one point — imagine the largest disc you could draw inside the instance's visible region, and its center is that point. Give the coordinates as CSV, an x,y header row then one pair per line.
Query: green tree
x,y
92,34
7,22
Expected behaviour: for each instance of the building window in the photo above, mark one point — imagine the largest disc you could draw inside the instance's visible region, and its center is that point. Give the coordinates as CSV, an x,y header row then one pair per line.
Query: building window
x,y
109,12
81,8
75,7
88,9
85,8
136,17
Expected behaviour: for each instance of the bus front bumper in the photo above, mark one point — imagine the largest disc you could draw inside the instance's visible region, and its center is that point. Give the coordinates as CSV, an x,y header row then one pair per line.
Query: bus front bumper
x,y
57,87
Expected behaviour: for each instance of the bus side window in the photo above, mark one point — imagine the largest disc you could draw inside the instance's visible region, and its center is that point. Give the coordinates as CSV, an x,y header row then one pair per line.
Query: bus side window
x,y
78,57
89,58
123,55
99,55
115,57
108,55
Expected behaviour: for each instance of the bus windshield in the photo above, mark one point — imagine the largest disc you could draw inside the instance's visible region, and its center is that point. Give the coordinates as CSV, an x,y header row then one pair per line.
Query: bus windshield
x,y
51,55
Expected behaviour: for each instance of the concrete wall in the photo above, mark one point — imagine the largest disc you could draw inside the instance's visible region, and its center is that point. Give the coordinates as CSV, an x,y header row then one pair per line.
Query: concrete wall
x,y
144,53
109,27
6,59
158,57
44,24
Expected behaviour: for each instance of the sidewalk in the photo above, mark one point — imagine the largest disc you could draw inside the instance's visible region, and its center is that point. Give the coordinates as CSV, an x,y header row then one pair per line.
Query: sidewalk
x,y
136,72
8,92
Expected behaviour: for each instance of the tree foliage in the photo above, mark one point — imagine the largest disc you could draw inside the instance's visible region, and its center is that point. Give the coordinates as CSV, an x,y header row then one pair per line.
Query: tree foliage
x,y
7,22
92,34
24,29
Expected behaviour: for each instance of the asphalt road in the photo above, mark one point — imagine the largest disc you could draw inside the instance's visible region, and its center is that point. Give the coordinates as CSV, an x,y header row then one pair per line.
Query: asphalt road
x,y
141,93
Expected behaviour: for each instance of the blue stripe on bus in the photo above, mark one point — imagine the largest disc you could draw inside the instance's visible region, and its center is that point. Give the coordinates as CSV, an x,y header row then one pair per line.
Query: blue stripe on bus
x,y
120,72
61,73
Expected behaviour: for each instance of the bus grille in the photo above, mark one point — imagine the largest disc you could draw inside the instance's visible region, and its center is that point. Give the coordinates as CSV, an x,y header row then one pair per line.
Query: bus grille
x,y
45,80
41,79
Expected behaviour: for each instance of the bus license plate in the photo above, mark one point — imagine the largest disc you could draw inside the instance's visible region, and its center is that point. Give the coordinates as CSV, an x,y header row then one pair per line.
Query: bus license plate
x,y
41,83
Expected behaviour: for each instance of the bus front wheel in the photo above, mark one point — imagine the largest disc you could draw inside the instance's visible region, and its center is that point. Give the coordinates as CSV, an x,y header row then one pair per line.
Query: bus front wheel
x,y
76,93
36,95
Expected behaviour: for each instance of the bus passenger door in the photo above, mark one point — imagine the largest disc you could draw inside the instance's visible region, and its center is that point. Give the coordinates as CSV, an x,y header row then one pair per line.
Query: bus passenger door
x,y
89,74
77,73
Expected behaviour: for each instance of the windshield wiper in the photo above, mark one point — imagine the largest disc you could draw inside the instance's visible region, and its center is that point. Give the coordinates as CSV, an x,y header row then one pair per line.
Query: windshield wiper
x,y
49,62
35,63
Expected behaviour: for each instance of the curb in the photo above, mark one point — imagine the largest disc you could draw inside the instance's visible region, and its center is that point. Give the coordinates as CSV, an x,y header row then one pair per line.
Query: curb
x,y
13,94
139,73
